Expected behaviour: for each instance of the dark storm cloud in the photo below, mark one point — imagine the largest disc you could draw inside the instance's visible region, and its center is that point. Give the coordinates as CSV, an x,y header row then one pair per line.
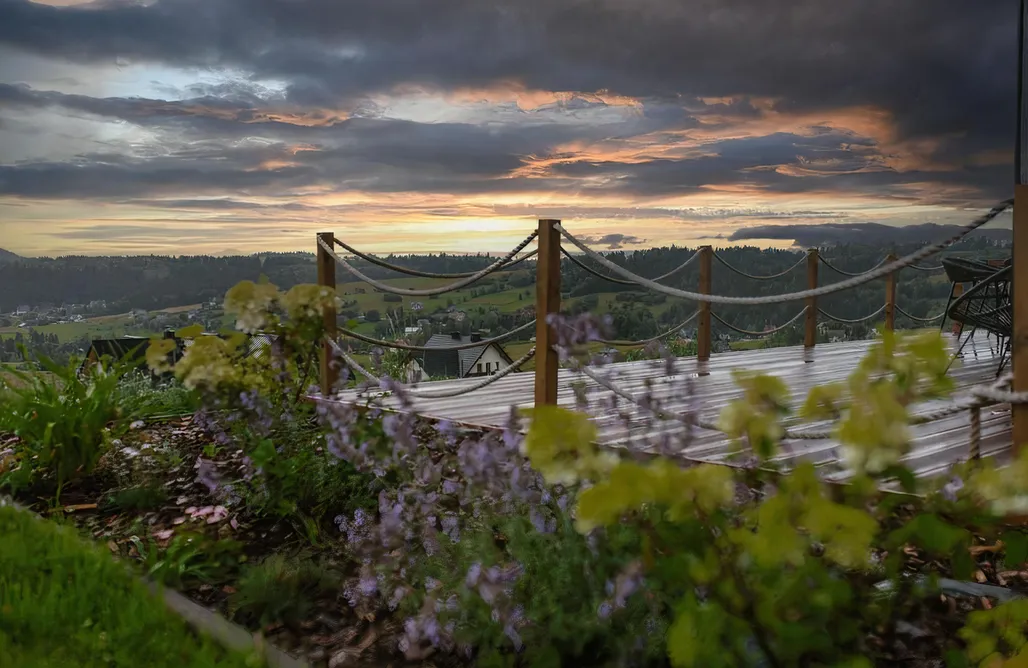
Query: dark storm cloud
x,y
942,70
940,65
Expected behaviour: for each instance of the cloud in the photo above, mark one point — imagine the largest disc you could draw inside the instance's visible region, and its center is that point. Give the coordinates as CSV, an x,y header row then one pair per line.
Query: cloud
x,y
857,233
614,241
655,111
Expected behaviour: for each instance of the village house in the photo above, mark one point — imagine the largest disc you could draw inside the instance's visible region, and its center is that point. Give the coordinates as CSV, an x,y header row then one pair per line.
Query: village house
x,y
441,361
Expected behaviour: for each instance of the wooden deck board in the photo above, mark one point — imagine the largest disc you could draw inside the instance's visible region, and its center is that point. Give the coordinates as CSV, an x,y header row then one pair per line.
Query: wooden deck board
x,y
935,445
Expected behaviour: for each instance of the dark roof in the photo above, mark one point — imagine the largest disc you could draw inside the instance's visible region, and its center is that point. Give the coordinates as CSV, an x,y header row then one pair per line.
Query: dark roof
x,y
442,362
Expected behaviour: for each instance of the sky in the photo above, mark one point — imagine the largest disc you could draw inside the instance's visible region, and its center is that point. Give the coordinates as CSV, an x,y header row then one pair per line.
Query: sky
x,y
239,126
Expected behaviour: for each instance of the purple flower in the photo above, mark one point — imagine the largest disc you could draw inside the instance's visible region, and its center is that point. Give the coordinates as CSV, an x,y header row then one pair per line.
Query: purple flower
x,y
207,474
950,489
603,612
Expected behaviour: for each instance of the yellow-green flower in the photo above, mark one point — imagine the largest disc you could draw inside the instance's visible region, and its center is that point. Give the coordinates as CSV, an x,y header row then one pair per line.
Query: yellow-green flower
x,y
308,301
251,302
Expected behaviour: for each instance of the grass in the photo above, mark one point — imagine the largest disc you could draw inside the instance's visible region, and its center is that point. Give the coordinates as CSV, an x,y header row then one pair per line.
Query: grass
x,y
65,603
97,328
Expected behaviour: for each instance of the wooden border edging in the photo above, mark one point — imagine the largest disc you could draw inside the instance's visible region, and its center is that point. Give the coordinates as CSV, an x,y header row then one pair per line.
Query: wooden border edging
x,y
198,618
227,633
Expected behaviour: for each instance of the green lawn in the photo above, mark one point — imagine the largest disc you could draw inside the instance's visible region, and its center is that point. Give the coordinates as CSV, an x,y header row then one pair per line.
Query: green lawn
x,y
65,603
97,328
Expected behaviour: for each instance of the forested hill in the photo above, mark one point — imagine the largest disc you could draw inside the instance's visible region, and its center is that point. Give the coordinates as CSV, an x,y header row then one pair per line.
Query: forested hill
x,y
157,282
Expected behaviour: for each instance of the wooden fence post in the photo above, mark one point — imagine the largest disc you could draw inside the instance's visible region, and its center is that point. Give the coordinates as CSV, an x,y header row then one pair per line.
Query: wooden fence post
x,y
957,328
547,302
1019,294
327,277
810,319
703,329
890,295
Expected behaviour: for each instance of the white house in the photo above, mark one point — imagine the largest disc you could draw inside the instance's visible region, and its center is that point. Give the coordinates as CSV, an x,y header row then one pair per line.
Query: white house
x,y
442,360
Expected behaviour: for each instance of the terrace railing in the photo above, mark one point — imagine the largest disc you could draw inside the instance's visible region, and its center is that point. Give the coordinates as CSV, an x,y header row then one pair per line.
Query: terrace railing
x,y
548,253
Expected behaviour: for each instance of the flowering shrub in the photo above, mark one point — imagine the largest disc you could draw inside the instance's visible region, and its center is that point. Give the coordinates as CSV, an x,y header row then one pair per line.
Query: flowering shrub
x,y
252,388
542,548
781,570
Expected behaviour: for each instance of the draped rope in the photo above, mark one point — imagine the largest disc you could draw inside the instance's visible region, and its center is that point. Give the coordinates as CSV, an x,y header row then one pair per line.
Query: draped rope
x,y
462,346
441,394
427,292
652,338
846,321
619,281
768,332
793,296
849,273
416,272
717,256
935,267
916,318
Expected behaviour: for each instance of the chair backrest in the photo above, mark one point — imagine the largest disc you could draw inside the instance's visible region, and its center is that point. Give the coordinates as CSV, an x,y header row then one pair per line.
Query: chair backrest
x,y
987,305
963,270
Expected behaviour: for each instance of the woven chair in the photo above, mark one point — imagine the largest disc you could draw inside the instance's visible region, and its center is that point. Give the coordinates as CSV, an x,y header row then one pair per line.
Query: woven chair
x,y
960,271
988,305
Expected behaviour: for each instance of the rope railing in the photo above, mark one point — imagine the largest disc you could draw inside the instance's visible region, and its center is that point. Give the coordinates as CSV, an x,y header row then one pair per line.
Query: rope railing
x,y
426,292
766,332
619,281
854,321
416,272
398,345
441,394
831,266
915,318
769,277
855,281
935,267
658,337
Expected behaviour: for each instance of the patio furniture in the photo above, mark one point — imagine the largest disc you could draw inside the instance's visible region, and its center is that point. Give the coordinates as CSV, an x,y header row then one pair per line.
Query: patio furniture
x,y
988,305
960,271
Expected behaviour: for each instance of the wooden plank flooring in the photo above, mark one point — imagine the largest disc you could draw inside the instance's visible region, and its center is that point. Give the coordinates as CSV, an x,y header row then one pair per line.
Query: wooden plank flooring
x,y
935,446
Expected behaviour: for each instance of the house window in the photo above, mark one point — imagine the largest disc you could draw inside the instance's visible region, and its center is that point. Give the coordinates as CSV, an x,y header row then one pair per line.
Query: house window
x,y
487,365
479,367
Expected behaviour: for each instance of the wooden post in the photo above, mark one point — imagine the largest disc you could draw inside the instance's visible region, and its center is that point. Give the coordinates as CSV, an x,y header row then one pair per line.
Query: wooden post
x,y
547,302
957,328
1019,294
890,295
327,277
703,329
810,319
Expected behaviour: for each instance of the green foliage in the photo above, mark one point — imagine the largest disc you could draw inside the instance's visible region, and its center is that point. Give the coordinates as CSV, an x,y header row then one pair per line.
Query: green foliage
x,y
561,589
758,577
64,604
280,590
65,420
150,496
189,559
139,395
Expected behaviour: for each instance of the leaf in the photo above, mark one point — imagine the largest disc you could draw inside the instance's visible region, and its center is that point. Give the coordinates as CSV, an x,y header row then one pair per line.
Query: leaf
x,y
962,564
956,659
190,332
1016,548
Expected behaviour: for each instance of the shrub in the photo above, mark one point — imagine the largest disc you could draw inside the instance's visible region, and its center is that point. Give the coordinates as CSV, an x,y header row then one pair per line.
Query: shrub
x,y
189,559
280,590
65,421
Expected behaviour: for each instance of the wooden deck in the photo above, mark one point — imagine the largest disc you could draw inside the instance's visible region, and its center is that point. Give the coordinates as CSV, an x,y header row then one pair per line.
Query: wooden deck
x,y
935,445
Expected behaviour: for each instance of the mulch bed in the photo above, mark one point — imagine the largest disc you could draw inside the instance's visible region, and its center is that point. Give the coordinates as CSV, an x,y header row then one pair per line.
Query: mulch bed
x,y
333,635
